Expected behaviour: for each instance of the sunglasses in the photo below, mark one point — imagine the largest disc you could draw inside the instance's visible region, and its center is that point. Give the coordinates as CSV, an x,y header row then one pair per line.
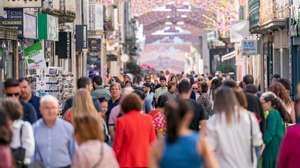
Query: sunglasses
x,y
12,94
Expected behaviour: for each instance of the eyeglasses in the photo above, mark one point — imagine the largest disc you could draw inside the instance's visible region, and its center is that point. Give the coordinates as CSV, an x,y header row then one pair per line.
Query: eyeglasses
x,y
12,94
195,88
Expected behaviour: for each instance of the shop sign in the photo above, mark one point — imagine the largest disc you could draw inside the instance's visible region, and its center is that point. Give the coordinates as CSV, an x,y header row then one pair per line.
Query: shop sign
x,y
29,26
14,19
63,47
8,33
81,37
94,47
48,27
22,3
35,56
249,47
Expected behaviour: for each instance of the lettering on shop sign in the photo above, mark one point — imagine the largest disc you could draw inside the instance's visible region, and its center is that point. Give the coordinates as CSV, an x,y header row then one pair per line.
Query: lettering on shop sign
x,y
22,3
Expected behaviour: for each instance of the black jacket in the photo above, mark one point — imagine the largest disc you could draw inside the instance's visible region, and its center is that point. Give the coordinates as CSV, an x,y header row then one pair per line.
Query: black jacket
x,y
29,113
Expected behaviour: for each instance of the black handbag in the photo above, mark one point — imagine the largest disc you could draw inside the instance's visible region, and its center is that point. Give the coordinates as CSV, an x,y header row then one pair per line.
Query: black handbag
x,y
19,153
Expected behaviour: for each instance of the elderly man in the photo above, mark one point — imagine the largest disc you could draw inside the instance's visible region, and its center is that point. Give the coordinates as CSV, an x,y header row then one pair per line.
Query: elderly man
x,y
55,144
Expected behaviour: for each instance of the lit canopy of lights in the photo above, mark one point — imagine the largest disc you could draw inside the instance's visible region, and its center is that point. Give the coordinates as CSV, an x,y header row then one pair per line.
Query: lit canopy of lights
x,y
218,15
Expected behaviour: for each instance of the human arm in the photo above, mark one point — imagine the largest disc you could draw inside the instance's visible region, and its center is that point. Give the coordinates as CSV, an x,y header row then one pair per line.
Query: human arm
x,y
207,153
270,129
28,142
155,154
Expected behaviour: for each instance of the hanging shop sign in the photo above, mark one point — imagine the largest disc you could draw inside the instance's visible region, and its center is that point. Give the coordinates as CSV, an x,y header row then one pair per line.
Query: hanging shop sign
x,y
63,47
22,3
29,26
81,37
48,27
249,47
14,19
35,56
94,47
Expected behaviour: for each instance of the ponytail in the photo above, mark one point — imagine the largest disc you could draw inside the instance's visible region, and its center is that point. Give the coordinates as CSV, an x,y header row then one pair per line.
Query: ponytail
x,y
175,112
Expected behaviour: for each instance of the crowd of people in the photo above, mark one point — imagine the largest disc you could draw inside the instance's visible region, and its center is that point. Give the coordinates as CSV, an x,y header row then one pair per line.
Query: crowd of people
x,y
164,120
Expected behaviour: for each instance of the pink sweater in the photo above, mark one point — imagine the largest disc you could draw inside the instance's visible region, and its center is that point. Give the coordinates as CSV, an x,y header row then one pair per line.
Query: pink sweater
x,y
290,150
5,157
94,154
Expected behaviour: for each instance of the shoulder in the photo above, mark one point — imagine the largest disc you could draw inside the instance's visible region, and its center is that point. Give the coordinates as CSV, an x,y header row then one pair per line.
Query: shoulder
x,y
38,123
66,124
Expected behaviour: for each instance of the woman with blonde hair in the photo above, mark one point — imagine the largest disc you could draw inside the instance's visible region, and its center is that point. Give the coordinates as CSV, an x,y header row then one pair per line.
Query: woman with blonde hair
x,y
82,105
233,132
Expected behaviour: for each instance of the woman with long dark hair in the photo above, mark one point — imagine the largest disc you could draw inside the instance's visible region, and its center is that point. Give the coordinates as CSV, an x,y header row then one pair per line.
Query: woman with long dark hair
x,y
182,147
233,132
276,115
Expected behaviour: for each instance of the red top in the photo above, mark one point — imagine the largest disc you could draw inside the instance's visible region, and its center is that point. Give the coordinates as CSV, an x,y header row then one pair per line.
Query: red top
x,y
159,120
134,135
290,151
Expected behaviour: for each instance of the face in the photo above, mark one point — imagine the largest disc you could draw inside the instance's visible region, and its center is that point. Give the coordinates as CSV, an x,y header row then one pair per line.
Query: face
x,y
148,79
104,107
115,91
195,88
146,89
173,89
13,92
90,87
49,111
267,106
25,90
163,83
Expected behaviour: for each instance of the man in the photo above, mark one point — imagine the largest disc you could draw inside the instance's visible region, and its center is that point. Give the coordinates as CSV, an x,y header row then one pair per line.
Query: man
x,y
28,96
99,91
148,104
200,115
163,87
172,89
82,83
12,89
148,81
54,137
115,91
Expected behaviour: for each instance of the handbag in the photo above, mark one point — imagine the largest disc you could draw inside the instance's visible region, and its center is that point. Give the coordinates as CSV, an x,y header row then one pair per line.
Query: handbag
x,y
19,153
37,163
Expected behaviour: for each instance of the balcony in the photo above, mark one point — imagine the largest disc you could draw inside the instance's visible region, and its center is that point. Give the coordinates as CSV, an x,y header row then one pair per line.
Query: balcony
x,y
63,9
273,15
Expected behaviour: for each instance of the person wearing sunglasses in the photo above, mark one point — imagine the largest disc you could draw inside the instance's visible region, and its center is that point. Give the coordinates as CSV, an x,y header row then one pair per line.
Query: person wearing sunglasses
x,y
13,90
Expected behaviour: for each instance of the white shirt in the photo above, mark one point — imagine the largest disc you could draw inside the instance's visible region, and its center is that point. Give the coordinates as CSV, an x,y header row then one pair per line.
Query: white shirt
x,y
232,142
27,138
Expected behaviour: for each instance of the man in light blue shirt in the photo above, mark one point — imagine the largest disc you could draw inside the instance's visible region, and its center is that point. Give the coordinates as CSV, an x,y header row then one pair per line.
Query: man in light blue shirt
x,y
54,139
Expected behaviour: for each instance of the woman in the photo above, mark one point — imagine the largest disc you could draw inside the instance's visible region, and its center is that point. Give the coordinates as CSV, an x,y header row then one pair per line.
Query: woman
x,y
134,134
22,130
204,98
82,104
182,147
158,116
233,132
275,115
92,152
289,153
6,160
282,93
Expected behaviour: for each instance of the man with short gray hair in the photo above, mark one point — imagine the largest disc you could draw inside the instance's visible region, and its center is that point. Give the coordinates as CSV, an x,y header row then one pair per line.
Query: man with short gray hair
x,y
55,144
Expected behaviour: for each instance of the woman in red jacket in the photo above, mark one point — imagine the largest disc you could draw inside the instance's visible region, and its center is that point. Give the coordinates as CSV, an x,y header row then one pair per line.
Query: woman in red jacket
x,y
134,134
